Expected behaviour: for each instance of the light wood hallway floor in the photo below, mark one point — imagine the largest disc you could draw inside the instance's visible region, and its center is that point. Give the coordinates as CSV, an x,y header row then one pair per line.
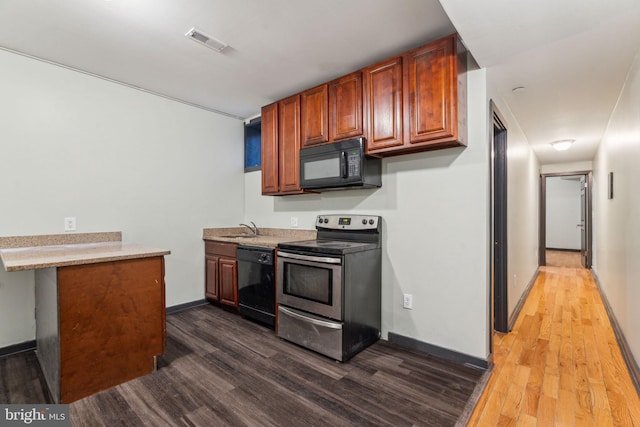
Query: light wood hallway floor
x,y
561,365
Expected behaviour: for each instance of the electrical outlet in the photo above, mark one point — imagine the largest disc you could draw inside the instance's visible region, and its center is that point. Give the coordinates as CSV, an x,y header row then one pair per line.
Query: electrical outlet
x,y
294,221
70,223
407,301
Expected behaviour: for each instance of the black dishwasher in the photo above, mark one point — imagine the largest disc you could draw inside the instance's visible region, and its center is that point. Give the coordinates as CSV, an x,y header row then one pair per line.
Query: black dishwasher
x,y
256,287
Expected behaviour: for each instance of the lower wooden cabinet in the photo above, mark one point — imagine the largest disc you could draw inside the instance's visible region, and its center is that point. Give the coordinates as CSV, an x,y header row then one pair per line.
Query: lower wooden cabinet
x,y
99,325
221,273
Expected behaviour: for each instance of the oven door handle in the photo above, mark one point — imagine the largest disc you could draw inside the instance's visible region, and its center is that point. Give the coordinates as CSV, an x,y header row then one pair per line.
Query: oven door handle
x,y
324,260
317,322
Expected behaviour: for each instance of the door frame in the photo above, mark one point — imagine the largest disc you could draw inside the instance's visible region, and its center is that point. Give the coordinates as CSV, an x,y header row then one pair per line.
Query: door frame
x,y
499,233
542,234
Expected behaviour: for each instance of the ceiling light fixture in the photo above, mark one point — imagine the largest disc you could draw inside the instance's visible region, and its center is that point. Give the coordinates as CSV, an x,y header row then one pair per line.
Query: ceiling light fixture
x,y
562,144
208,41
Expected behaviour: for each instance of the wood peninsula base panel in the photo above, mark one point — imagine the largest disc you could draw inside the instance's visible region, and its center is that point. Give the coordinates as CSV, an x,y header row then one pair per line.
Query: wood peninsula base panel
x,y
111,324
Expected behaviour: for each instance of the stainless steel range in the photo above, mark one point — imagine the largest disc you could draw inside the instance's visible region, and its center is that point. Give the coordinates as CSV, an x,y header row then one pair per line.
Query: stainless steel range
x,y
328,289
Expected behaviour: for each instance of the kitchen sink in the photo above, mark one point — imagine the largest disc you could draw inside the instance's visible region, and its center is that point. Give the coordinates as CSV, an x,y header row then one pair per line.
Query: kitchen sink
x,y
240,236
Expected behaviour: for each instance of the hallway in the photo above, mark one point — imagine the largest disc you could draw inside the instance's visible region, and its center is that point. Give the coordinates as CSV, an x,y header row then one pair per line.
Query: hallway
x,y
561,364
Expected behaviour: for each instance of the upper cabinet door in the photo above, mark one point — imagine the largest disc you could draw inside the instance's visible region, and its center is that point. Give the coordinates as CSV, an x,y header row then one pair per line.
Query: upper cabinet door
x,y
432,92
345,107
270,149
383,104
314,120
289,144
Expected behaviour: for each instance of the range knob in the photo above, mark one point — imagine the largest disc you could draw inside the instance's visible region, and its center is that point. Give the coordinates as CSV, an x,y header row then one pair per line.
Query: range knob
x,y
364,221
326,220
371,221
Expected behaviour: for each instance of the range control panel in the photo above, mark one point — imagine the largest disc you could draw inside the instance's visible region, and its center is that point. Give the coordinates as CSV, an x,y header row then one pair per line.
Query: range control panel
x,y
348,222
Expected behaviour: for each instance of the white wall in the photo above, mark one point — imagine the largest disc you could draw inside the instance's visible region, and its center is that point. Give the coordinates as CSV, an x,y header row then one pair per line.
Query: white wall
x,y
435,211
523,203
117,159
566,167
563,212
616,221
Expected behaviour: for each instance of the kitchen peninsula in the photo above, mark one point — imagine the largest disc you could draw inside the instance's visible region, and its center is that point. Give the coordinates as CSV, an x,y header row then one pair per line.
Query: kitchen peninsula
x,y
100,308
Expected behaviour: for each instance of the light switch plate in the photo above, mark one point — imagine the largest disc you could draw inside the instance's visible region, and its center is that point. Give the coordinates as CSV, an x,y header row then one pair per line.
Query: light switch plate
x,y
294,221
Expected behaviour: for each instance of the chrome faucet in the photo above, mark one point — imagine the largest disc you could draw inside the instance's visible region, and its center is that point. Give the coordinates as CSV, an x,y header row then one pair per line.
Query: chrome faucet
x,y
254,229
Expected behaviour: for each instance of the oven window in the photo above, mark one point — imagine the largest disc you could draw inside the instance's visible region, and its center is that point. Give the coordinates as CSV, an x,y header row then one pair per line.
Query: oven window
x,y
318,169
312,283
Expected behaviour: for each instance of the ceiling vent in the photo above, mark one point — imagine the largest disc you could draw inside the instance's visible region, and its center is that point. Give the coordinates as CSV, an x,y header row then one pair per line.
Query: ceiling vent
x,y
208,41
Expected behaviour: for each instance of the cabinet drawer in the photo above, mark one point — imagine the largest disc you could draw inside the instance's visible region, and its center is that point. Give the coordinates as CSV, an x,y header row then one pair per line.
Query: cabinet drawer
x,y
324,336
221,248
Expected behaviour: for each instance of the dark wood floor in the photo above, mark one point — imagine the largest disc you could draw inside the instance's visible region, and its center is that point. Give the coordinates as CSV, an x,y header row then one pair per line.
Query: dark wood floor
x,y
220,369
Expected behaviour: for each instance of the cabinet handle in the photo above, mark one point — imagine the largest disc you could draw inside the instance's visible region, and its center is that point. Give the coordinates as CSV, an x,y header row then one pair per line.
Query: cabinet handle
x,y
343,165
323,260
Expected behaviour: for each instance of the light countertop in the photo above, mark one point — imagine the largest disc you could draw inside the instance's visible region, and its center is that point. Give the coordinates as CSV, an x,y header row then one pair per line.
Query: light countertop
x,y
267,237
17,256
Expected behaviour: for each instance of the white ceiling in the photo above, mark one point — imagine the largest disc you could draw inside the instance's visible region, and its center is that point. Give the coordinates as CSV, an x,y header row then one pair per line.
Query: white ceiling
x,y
277,47
572,56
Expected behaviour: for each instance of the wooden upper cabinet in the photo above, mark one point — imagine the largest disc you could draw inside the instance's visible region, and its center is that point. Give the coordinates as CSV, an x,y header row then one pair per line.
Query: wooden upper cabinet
x,y
414,102
281,147
435,95
289,144
332,111
383,104
270,157
314,115
345,107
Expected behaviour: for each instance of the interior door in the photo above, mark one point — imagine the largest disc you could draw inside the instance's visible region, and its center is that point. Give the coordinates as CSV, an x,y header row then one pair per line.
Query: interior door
x,y
586,233
500,270
583,223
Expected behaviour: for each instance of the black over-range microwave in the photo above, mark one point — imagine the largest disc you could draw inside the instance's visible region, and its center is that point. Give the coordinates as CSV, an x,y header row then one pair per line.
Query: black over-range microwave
x,y
339,165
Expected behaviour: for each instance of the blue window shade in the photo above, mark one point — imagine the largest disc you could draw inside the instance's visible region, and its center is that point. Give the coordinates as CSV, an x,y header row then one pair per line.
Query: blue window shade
x,y
252,146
